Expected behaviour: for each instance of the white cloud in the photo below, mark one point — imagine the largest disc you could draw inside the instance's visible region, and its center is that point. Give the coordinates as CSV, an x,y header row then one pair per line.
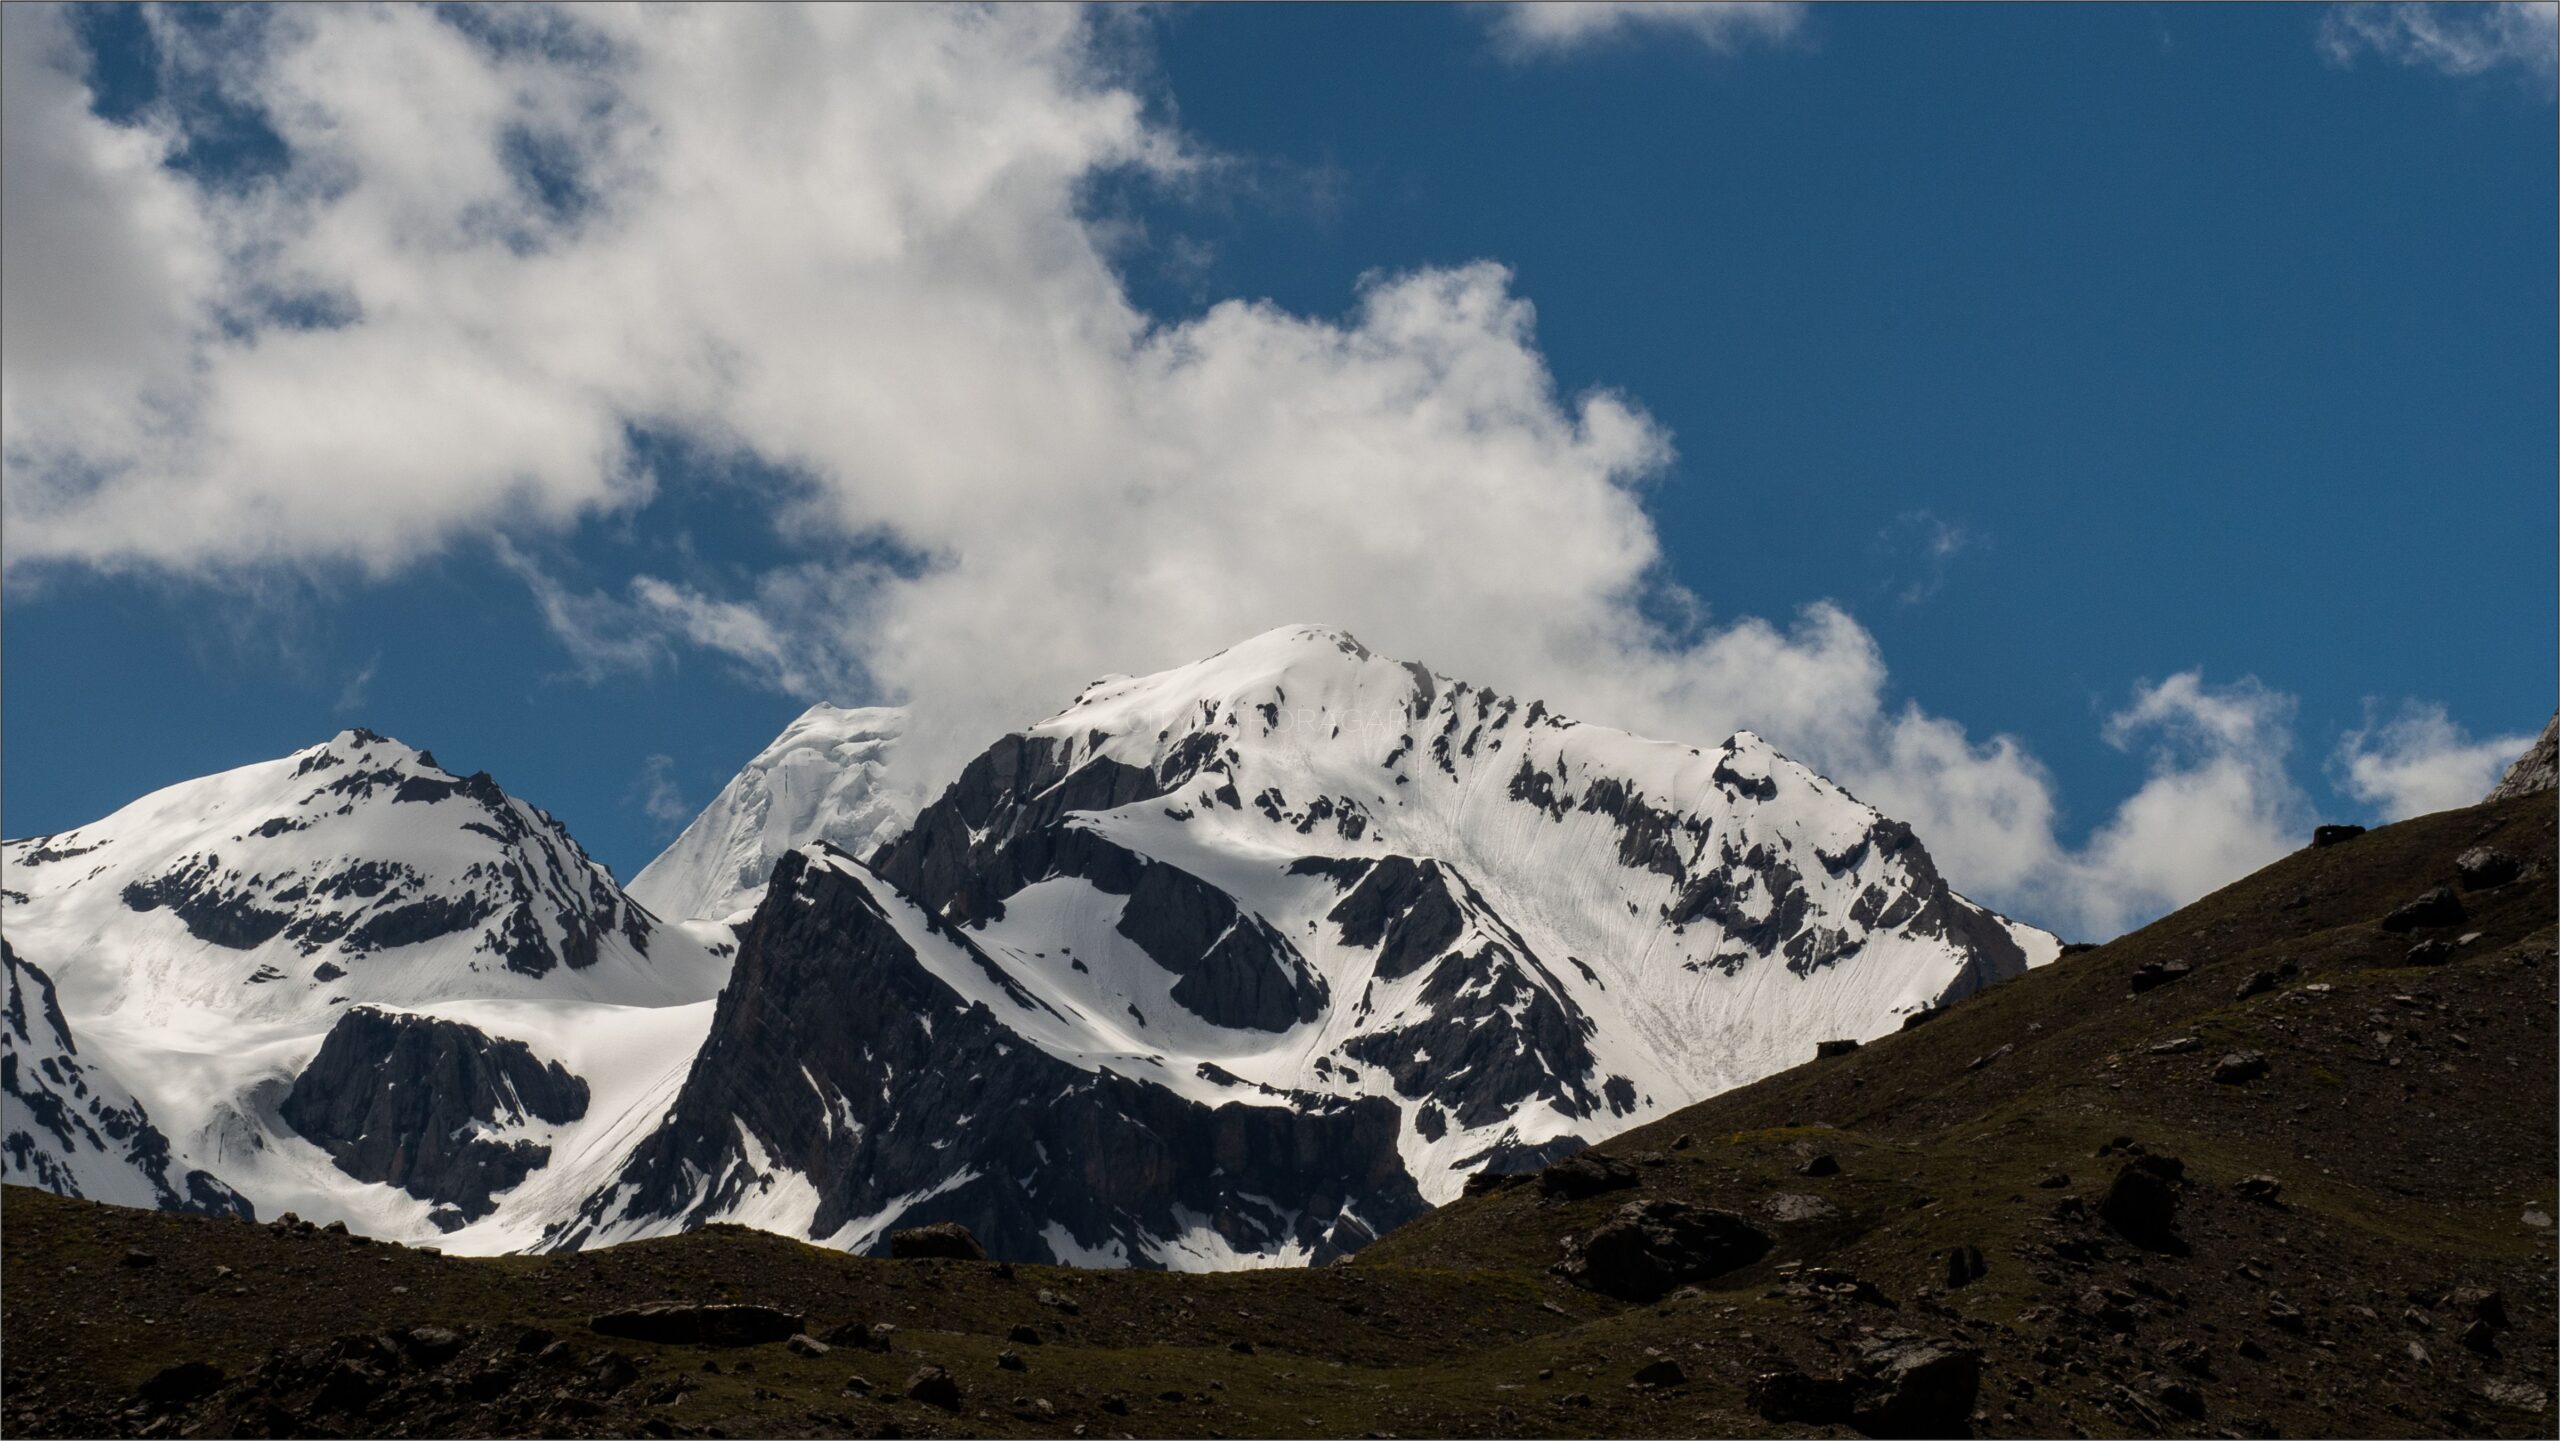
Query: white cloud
x,y
352,695
846,241
1539,29
2420,761
658,796
2466,39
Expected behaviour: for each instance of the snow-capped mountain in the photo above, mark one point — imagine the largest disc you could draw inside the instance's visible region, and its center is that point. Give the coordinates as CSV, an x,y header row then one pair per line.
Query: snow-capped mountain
x,y
825,778
197,952
1300,911
1239,964
73,1129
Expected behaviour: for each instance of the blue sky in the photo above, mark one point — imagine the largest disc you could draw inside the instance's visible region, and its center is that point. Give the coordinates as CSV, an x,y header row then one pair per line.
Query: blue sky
x,y
2166,390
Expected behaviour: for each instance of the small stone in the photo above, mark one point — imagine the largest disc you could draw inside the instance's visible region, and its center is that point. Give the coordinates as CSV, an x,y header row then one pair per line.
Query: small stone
x,y
1010,1360
1665,1372
2178,1046
2239,1068
807,1345
1822,1165
137,1260
2054,1181
1023,1336
2263,1189
1241,1348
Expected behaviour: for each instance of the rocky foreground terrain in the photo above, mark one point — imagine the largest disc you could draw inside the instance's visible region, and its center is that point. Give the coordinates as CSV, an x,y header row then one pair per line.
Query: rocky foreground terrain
x,y
2281,1163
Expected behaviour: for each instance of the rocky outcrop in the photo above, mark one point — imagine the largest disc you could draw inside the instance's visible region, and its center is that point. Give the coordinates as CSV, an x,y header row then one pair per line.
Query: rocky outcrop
x,y
1648,1247
839,1058
2538,769
423,1104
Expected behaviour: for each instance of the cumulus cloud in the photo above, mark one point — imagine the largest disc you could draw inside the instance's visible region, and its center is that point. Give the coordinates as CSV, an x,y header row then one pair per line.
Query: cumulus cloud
x,y
1537,30
847,243
2453,39
2419,761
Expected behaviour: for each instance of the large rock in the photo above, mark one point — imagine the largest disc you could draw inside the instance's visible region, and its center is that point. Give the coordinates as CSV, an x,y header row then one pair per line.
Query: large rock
x,y
1648,1247
943,1240
678,1323
2438,907
2486,868
1586,1174
2141,1203
1897,1385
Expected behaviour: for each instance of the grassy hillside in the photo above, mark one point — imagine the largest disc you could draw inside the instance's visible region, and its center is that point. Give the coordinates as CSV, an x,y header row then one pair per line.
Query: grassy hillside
x,y
2399,1279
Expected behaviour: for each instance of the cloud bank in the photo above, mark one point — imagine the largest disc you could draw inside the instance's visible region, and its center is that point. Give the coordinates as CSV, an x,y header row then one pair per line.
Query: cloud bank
x,y
2420,761
1542,29
847,242
2469,39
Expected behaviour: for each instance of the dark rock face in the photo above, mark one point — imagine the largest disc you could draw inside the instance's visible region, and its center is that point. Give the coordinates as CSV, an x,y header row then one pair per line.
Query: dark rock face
x,y
829,1010
1649,1247
942,1241
402,1100
1825,1050
59,1108
682,1324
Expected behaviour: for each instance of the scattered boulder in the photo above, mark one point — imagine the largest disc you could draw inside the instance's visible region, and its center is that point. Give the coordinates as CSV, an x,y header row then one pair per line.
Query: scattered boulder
x,y
182,1383
1063,1305
934,1386
2262,1189
2438,907
2178,1046
2141,1203
1965,1266
856,1333
1648,1247
2154,974
1010,1360
682,1323
1918,1388
2239,1068
1583,1174
1900,1387
1825,1050
138,1260
2481,1304
2486,867
1824,1164
2429,953
431,1346
1024,1336
1486,1182
2258,984
1919,1018
1796,1206
943,1240
1664,1372
1978,1062
807,1345
2075,948
2323,837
